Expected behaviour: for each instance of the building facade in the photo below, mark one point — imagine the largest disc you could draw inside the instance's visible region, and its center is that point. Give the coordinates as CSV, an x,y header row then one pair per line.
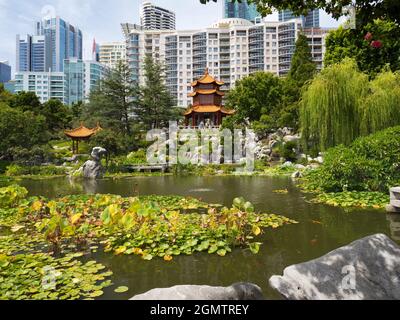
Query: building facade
x,y
5,72
153,17
231,49
93,73
241,10
74,80
54,41
111,53
311,20
33,54
46,85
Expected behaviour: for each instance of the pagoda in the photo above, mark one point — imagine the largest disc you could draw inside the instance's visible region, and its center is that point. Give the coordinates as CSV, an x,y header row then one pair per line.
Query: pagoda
x,y
81,134
207,105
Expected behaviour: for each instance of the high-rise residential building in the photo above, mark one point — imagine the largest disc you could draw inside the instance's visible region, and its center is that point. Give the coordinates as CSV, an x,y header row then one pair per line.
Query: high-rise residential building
x,y
241,10
64,39
111,53
46,85
153,17
231,49
311,20
5,72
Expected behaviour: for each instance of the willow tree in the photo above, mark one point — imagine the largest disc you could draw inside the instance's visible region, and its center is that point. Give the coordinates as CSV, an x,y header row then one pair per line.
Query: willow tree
x,y
381,108
330,112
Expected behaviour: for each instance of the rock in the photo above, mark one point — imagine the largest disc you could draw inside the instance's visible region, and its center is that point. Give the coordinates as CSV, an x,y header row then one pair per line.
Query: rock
x,y
239,291
92,169
291,138
394,205
297,175
367,269
319,160
287,164
299,167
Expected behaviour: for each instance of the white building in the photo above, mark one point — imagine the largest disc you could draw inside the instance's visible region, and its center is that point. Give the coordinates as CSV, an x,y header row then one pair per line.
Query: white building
x,y
231,48
153,17
111,53
46,85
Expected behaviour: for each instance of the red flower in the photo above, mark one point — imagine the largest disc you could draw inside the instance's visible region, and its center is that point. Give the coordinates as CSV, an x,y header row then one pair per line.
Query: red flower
x,y
368,36
376,44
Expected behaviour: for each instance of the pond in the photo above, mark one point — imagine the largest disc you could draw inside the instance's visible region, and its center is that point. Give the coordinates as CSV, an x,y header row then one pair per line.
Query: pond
x,y
321,229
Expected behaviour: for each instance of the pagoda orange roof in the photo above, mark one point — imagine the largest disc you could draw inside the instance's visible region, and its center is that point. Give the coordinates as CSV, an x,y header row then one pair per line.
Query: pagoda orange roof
x,y
208,109
207,79
82,132
206,92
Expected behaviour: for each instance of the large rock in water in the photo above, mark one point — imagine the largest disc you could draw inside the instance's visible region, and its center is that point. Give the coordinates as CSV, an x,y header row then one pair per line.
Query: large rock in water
x,y
92,169
367,269
239,291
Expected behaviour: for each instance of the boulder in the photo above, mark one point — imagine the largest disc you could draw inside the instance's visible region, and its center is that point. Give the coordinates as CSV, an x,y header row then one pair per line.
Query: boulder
x,y
238,291
290,138
92,169
367,269
297,175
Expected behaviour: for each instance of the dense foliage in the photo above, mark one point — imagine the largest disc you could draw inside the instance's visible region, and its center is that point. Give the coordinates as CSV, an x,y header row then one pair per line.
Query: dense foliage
x,y
341,105
374,47
367,10
369,164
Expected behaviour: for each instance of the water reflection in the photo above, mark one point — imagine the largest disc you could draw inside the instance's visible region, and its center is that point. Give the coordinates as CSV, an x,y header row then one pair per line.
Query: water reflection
x,y
321,230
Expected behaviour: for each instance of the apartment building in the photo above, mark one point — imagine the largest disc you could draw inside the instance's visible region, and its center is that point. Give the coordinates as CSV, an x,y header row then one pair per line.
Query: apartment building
x,y
231,49
46,85
111,53
154,17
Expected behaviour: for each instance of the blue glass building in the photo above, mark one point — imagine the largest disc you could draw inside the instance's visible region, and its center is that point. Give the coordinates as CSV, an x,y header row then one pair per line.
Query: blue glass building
x,y
311,20
5,72
240,10
74,80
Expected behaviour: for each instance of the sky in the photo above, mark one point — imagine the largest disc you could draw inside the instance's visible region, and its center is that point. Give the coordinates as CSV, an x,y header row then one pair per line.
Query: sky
x,y
100,19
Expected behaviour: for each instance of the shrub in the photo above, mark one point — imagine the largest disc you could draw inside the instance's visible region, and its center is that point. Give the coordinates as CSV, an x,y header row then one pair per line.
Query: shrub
x,y
288,151
369,164
15,170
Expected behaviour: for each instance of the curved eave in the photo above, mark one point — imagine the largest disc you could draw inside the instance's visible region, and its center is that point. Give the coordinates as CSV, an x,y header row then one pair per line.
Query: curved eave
x,y
206,92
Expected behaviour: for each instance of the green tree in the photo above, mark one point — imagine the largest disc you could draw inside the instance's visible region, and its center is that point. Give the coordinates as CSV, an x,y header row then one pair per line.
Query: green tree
x,y
367,10
58,116
156,107
20,129
373,47
114,101
329,113
380,108
26,101
107,139
302,70
256,95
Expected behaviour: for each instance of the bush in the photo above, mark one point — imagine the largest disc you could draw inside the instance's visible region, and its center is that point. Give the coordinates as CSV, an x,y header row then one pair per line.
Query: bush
x,y
288,151
15,170
369,164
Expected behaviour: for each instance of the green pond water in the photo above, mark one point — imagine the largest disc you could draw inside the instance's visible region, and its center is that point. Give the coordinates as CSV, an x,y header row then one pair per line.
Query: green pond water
x,y
321,230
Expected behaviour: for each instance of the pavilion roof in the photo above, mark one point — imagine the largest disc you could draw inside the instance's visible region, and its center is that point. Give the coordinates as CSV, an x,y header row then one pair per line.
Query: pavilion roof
x,y
207,79
82,132
206,92
208,109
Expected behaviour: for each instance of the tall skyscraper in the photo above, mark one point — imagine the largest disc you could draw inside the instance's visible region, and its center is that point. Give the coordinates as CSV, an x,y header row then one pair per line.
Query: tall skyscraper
x,y
5,72
54,41
65,41
153,17
311,20
240,10
33,53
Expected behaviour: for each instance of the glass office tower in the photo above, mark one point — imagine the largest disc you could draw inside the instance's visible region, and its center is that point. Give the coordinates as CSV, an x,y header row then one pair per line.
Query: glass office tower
x,y
240,10
311,20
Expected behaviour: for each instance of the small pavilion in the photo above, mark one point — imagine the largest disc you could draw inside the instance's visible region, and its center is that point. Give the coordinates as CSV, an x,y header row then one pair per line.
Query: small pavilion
x,y
81,134
207,103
